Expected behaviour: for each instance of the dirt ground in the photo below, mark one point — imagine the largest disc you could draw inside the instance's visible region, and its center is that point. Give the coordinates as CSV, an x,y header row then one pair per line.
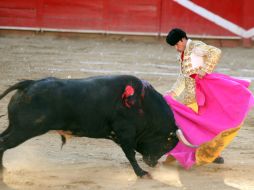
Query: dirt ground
x,y
85,163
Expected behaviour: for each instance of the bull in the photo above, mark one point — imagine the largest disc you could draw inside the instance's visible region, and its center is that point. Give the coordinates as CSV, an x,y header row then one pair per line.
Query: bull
x,y
122,108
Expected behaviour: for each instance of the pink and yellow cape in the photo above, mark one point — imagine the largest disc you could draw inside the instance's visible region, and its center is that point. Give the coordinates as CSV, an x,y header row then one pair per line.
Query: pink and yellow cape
x,y
223,102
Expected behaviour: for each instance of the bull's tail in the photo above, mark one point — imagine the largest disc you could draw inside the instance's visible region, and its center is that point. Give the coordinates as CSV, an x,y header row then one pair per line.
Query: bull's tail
x,y
18,86
63,138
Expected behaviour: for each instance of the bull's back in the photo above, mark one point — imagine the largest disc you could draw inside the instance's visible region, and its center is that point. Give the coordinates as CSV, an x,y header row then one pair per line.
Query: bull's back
x,y
76,90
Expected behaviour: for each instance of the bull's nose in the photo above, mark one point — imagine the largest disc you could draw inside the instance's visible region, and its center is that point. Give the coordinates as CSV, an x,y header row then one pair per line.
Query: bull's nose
x,y
150,162
153,164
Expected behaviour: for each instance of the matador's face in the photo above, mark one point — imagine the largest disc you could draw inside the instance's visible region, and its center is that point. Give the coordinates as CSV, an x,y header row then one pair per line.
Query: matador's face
x,y
180,46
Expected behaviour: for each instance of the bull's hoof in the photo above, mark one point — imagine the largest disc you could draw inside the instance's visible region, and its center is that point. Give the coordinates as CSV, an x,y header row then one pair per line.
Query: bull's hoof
x,y
147,176
219,160
144,175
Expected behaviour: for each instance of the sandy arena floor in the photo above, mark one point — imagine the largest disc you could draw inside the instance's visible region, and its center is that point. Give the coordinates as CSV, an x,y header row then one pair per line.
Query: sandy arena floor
x,y
86,163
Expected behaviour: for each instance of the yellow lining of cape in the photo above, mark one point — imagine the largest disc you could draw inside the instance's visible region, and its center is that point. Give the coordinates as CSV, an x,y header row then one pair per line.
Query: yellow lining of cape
x,y
209,151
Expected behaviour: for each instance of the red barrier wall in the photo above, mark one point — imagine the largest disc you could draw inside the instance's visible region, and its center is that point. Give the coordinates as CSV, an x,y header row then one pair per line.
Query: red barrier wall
x,y
227,18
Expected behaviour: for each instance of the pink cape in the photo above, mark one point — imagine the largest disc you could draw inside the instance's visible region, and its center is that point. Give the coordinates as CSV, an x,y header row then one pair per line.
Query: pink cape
x,y
223,103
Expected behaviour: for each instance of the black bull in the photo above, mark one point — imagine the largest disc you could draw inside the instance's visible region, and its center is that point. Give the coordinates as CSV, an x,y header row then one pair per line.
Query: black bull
x,y
121,108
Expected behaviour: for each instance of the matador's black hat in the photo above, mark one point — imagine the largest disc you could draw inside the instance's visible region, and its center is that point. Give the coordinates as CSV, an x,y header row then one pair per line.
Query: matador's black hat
x,y
175,35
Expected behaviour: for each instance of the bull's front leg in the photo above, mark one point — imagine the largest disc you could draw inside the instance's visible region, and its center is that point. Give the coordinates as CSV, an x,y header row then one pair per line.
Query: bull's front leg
x,y
126,138
130,154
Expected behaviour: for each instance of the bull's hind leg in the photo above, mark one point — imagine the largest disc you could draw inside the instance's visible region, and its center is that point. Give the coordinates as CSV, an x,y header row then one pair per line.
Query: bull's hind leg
x,y
5,132
3,136
14,138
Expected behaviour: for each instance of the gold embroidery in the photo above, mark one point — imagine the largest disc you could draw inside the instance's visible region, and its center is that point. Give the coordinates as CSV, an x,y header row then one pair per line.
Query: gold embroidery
x,y
185,83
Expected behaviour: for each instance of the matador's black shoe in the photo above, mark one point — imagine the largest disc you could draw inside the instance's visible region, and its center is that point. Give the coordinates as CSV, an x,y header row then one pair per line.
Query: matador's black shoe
x,y
219,160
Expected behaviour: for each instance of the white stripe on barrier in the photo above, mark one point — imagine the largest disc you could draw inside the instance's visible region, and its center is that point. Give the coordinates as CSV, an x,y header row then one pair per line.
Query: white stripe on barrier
x,y
216,19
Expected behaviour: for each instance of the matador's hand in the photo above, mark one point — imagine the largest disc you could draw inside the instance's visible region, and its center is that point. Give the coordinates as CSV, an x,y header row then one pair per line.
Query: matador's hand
x,y
171,93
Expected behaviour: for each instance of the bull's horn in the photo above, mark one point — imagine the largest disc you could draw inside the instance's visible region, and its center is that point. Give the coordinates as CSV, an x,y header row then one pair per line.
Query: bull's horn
x,y
182,138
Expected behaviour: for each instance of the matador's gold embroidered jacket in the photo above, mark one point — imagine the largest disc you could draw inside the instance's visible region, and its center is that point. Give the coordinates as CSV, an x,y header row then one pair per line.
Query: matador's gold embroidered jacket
x,y
198,56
